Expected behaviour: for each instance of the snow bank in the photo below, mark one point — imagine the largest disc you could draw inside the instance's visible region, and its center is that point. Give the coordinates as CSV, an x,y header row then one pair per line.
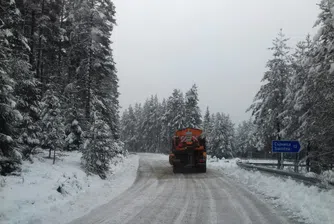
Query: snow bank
x,y
310,203
328,176
59,193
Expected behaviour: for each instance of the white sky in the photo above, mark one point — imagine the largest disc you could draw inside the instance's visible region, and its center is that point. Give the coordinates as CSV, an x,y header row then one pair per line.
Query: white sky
x,y
221,45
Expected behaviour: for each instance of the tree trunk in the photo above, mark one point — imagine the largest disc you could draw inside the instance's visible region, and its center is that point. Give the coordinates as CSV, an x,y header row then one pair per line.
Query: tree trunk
x,y
32,41
88,78
39,57
60,43
54,156
279,155
88,88
307,157
296,162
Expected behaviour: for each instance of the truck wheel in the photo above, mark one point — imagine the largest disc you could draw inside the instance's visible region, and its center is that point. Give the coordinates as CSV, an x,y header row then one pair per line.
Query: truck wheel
x,y
202,169
175,169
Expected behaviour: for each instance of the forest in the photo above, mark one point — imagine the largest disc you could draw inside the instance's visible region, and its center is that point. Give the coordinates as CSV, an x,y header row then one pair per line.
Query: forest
x,y
58,82
151,126
59,91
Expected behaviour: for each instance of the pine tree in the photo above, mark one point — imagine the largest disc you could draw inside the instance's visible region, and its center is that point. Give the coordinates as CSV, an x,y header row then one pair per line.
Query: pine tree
x,y
28,93
245,138
175,112
74,134
192,111
27,90
222,137
210,134
138,137
10,158
148,125
128,130
101,149
207,123
93,21
268,104
319,92
158,126
295,102
165,128
52,123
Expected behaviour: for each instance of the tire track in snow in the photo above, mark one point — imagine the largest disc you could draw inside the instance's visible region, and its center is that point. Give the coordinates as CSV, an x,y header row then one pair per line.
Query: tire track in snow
x,y
159,196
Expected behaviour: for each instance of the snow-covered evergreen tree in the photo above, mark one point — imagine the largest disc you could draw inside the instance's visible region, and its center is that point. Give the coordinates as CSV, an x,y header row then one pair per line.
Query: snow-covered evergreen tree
x,y
52,123
165,141
101,149
138,138
245,138
93,22
107,91
222,137
175,112
319,91
192,110
156,121
209,133
268,103
10,158
146,126
74,134
207,123
27,91
128,129
296,103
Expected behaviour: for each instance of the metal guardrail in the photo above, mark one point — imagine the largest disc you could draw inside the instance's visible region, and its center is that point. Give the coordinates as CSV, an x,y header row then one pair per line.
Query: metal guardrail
x,y
275,164
297,176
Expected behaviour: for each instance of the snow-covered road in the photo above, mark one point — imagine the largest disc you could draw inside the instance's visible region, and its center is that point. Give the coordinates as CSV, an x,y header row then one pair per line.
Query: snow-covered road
x,y
159,196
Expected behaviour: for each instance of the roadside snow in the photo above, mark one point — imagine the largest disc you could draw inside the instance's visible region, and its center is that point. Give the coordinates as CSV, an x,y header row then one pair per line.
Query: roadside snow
x,y
33,196
310,203
328,175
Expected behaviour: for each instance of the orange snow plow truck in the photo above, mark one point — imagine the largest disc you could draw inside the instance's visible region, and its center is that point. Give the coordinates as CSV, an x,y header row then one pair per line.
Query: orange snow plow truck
x,y
188,151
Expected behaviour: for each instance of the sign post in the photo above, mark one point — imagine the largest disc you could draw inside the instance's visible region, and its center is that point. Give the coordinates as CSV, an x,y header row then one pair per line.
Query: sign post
x,y
282,147
282,161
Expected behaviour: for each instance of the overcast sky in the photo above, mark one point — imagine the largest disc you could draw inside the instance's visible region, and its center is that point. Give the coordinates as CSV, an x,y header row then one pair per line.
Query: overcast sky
x,y
221,45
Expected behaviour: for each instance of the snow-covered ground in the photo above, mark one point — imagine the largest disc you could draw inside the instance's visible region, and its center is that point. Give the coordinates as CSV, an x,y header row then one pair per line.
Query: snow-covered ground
x,y
33,196
309,203
328,175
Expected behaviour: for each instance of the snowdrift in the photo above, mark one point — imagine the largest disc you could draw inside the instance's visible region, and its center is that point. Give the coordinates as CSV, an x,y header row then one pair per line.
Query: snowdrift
x,y
46,193
305,203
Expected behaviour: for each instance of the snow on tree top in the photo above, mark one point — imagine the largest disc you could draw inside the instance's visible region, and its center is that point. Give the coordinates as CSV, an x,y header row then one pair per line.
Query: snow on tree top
x,y
75,122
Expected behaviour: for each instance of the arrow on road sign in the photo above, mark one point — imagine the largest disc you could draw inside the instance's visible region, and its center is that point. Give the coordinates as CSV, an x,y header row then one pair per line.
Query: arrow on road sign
x,y
285,146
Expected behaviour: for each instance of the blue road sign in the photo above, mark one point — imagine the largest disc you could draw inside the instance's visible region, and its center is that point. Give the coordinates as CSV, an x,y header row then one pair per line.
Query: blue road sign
x,y
285,146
